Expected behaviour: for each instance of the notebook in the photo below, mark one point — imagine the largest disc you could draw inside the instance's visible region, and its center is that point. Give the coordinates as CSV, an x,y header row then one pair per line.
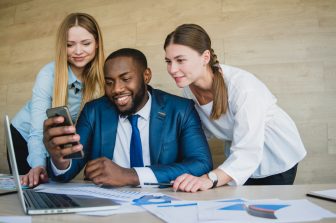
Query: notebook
x,y
45,203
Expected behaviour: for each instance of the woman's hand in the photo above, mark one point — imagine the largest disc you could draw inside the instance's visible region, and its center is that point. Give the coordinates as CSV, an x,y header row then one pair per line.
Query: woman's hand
x,y
190,183
34,177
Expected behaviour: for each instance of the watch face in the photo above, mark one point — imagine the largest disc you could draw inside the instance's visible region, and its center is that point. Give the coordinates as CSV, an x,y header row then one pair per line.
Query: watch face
x,y
212,176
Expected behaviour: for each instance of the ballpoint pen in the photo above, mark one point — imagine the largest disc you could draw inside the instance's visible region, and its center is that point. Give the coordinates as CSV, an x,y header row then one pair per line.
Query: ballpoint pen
x,y
160,184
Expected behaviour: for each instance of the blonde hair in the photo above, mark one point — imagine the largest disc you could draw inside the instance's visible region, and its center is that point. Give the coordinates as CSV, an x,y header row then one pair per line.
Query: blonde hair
x,y
93,75
195,37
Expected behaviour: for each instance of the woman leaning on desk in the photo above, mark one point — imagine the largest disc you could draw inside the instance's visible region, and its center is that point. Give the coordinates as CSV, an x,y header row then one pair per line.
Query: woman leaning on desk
x,y
74,78
263,146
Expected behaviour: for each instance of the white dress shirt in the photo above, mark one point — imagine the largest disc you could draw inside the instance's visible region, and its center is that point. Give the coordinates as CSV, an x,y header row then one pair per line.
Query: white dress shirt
x,y
261,139
121,155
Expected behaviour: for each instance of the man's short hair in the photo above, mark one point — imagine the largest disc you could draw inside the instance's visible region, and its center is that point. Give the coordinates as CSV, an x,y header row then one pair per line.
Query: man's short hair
x,y
137,56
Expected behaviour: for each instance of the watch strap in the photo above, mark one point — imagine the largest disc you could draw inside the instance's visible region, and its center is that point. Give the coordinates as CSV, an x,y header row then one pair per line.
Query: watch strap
x,y
213,177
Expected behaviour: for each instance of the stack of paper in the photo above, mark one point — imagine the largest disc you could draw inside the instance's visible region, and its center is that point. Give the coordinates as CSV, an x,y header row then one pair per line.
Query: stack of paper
x,y
240,210
171,210
15,219
177,211
7,183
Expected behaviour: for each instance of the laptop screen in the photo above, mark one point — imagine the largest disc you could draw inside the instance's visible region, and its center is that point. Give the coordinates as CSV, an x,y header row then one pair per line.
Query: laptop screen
x,y
9,143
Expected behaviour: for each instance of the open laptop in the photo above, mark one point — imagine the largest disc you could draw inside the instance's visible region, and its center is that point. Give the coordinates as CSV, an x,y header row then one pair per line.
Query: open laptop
x,y
45,203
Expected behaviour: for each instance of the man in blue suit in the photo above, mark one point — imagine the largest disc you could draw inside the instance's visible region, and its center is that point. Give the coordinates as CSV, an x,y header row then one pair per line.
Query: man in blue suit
x,y
168,139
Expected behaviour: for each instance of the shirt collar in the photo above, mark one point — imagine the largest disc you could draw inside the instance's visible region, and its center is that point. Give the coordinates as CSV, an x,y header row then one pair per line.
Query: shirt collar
x,y
72,79
144,112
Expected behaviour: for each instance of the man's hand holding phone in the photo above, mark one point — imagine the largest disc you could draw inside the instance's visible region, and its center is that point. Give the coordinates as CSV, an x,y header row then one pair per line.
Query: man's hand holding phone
x,y
61,139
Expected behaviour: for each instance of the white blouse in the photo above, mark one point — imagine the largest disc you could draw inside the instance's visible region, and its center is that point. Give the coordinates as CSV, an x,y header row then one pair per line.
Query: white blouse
x,y
261,139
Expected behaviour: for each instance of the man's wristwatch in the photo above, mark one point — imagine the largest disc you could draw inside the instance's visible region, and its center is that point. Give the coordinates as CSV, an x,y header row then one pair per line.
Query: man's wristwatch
x,y
213,177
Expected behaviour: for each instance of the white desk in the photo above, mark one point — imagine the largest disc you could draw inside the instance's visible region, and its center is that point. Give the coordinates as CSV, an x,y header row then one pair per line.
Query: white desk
x,y
9,204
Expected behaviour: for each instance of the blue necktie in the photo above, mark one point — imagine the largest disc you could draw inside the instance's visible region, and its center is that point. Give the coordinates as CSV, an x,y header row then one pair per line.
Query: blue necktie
x,y
136,147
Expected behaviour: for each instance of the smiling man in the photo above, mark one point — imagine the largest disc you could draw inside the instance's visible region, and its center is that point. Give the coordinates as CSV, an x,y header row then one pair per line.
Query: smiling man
x,y
132,135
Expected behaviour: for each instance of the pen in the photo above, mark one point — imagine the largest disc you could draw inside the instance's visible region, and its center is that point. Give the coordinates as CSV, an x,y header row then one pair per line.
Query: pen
x,y
160,184
177,205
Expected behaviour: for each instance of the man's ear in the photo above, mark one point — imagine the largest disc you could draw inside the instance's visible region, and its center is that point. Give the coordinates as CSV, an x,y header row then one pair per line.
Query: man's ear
x,y
147,75
206,57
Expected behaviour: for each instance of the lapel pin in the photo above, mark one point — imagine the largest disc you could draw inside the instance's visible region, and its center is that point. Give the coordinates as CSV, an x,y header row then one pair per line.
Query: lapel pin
x,y
162,114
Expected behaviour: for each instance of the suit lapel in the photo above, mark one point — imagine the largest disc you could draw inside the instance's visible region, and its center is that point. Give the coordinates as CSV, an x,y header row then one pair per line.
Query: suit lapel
x,y
157,121
108,130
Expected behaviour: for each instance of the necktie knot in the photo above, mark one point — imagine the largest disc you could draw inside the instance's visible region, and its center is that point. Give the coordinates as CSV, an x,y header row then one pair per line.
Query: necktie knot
x,y
133,120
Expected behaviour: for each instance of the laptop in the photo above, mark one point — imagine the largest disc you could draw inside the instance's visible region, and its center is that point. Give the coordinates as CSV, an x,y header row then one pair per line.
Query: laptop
x,y
46,203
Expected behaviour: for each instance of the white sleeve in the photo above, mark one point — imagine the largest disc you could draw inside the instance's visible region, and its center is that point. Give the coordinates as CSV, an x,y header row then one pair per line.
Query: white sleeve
x,y
145,175
57,171
248,136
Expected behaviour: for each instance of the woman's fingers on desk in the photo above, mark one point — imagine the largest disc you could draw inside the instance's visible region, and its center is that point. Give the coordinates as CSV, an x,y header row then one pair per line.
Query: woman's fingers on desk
x,y
184,182
34,177
190,183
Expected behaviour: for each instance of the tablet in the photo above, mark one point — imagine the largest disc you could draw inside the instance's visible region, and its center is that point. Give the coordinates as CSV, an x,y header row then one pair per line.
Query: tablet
x,y
329,195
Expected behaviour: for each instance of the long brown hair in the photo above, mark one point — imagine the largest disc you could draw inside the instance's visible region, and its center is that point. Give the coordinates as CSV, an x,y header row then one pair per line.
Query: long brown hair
x,y
93,75
195,37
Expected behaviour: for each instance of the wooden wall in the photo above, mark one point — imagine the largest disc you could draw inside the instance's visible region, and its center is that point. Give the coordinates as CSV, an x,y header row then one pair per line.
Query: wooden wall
x,y
288,44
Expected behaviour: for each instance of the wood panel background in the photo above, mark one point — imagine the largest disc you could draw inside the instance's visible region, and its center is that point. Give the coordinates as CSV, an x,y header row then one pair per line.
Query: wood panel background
x,y
288,44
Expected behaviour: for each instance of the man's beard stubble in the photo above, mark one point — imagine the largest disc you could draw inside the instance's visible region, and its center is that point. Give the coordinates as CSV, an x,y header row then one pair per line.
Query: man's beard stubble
x,y
136,101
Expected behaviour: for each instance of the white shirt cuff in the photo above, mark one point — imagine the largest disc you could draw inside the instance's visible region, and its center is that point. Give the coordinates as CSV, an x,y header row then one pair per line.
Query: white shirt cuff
x,y
234,181
57,171
145,175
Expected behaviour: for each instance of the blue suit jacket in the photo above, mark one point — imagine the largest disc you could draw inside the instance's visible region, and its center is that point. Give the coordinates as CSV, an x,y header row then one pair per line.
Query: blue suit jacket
x,y
176,140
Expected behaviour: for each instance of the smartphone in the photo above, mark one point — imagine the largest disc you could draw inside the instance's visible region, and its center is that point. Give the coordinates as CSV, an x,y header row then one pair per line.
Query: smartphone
x,y
64,111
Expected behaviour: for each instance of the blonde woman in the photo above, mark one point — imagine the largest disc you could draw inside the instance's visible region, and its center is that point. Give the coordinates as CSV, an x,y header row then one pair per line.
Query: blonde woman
x,y
263,145
74,78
